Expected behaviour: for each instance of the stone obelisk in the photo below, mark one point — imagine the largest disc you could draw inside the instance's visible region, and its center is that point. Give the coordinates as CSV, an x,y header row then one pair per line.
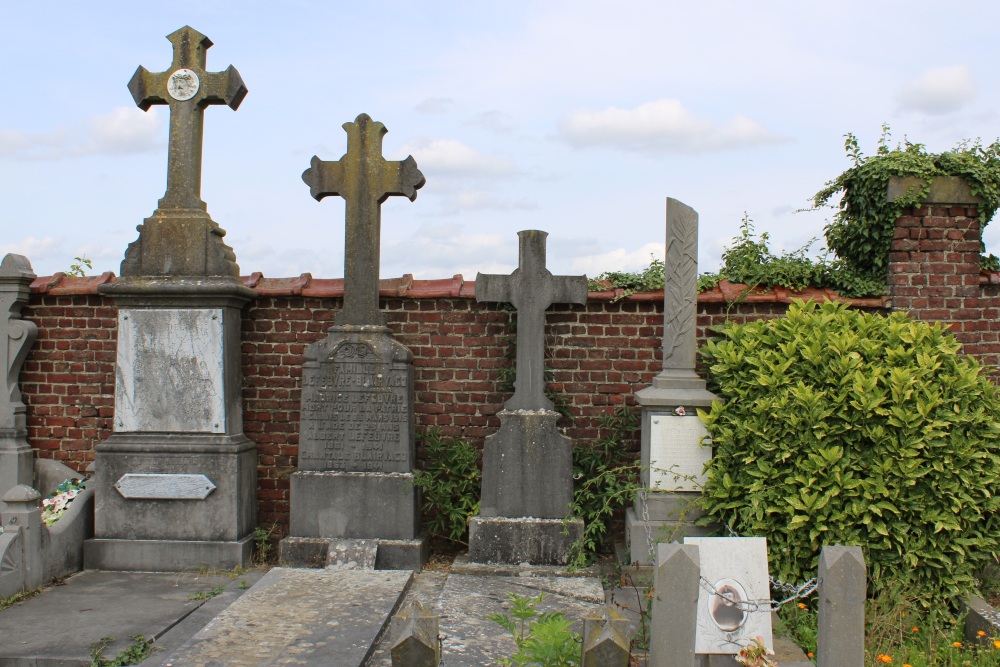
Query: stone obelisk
x,y
673,448
176,482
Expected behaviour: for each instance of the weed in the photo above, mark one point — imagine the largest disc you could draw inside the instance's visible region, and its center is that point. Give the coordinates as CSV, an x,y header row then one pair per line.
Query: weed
x,y
207,595
18,597
262,544
140,649
543,639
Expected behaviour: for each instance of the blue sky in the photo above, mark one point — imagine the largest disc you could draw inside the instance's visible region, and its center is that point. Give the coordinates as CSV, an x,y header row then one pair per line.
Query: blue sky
x,y
575,117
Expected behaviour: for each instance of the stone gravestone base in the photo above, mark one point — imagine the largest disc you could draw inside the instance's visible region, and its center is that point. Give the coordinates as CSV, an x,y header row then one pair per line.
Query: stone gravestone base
x,y
172,503
523,513
356,451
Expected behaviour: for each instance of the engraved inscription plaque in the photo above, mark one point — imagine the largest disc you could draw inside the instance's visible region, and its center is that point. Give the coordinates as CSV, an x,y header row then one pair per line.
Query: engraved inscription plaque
x,y
170,371
164,486
183,85
355,412
676,455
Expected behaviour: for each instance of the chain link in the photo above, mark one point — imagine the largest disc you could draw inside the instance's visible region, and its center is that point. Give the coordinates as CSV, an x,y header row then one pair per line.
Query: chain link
x,y
646,524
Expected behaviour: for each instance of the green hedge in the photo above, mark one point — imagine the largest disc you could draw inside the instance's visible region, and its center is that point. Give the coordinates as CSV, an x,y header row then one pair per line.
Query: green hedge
x,y
841,427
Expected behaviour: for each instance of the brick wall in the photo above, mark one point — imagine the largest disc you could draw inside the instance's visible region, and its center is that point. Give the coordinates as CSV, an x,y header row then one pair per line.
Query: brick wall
x,y
934,272
599,353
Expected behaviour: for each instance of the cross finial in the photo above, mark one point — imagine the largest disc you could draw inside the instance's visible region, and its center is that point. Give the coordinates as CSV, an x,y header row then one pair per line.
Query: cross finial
x,y
531,289
187,88
364,179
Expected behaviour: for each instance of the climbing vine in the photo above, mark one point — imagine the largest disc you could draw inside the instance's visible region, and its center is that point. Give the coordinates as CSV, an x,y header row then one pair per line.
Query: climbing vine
x,y
861,232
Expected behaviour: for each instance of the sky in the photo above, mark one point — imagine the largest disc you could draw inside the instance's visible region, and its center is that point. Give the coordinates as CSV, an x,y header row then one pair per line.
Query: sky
x,y
576,117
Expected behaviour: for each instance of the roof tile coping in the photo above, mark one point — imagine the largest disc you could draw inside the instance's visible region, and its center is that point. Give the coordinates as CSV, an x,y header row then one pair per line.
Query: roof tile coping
x,y
406,287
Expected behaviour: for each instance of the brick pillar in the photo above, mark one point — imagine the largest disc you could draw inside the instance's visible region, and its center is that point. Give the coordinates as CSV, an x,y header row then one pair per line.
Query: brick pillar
x,y
934,264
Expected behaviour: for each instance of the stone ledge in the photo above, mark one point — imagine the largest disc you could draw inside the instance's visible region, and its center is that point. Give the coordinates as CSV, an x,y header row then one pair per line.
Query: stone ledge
x,y
943,189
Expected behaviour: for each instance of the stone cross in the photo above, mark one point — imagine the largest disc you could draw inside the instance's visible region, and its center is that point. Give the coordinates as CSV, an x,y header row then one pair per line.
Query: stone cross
x,y
531,289
187,89
364,179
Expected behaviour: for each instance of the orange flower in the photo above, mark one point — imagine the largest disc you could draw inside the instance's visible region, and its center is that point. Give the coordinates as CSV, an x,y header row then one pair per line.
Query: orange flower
x,y
906,664
802,605
957,644
916,629
882,657
996,644
981,633
810,655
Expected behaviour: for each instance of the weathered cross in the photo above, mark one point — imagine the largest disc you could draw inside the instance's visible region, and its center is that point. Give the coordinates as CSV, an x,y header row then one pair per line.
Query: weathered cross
x,y
187,88
532,289
364,179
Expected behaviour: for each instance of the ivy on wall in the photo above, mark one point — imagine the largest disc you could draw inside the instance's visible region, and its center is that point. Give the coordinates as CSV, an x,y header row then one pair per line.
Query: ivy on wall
x,y
861,232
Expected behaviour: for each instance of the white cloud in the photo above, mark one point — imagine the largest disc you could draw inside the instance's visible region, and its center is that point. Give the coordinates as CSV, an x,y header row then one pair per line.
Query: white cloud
x,y
453,158
441,250
122,131
434,106
478,200
618,259
939,90
494,121
39,251
663,126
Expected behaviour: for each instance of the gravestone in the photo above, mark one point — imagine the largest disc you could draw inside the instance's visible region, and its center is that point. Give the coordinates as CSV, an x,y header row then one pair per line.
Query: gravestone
x,y
176,481
673,455
528,465
356,435
17,335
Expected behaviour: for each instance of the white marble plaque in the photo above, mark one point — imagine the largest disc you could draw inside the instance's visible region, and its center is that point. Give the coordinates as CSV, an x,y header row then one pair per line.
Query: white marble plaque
x,y
676,455
164,486
736,569
170,374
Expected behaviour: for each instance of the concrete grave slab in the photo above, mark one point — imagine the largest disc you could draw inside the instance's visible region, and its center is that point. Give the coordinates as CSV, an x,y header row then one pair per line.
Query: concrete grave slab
x,y
300,617
57,627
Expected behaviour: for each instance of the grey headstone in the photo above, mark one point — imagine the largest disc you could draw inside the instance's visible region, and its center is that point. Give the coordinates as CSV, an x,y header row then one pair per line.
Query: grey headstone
x,y
842,589
677,391
18,336
357,404
356,444
677,584
364,179
606,640
528,464
178,396
415,640
352,554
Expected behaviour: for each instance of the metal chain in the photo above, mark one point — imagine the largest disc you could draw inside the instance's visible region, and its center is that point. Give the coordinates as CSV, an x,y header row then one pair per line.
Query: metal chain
x,y
647,525
768,605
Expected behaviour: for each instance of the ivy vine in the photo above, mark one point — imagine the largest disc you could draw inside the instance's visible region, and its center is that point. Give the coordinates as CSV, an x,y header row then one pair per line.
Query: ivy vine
x,y
861,231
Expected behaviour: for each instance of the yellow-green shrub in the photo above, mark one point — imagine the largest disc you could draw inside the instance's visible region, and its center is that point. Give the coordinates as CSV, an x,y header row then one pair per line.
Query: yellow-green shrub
x,y
845,427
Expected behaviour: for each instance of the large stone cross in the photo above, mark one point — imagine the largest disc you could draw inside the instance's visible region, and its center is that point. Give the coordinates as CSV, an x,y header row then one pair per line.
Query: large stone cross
x,y
532,289
364,179
187,88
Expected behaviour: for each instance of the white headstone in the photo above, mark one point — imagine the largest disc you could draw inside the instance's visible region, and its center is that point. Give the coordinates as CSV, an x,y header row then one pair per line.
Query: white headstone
x,y
735,568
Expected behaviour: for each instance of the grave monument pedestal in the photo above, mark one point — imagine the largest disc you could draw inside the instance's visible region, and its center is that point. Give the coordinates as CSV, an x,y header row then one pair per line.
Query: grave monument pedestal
x,y
356,451
672,454
176,483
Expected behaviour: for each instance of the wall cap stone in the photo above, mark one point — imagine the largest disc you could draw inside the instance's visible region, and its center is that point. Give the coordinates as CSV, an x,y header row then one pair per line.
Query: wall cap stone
x,y
943,189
